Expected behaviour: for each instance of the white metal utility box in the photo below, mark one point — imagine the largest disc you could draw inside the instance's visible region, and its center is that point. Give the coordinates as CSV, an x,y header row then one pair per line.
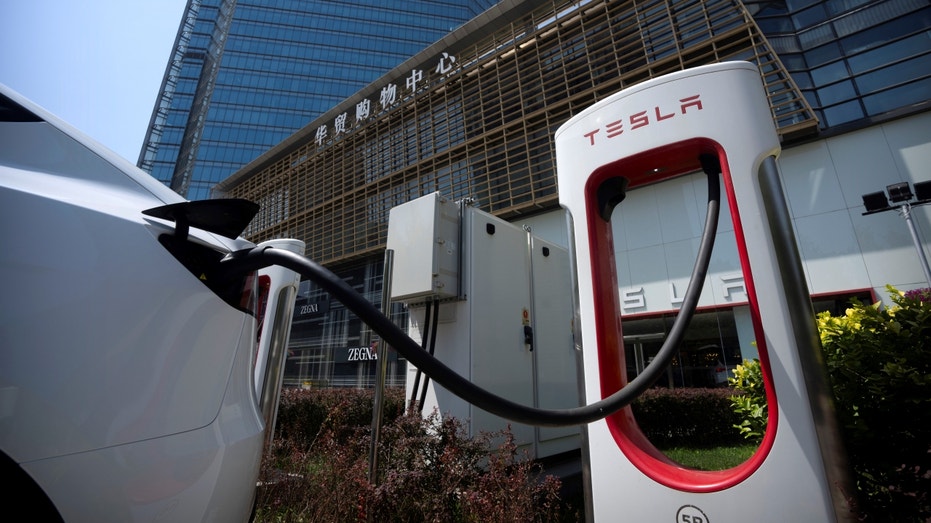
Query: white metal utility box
x,y
509,327
425,238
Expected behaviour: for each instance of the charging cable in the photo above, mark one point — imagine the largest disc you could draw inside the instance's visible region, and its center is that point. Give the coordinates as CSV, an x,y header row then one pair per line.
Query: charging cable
x,y
259,257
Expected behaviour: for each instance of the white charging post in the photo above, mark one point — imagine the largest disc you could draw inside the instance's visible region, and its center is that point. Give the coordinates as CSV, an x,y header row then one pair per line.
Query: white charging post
x,y
650,133
278,287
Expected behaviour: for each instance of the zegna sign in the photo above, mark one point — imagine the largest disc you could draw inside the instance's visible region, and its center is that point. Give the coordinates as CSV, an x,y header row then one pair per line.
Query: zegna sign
x,y
356,354
388,96
634,299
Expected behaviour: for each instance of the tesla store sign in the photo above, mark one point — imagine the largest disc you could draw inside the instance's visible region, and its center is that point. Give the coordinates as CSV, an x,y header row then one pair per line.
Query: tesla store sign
x,y
730,290
416,81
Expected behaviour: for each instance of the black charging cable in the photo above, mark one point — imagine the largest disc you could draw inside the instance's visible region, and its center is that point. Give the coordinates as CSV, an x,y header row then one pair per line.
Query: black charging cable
x,y
418,393
415,389
259,257
431,349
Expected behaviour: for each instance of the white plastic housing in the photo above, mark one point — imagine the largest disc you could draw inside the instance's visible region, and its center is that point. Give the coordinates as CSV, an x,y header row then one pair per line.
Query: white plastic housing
x,y
512,284
424,235
653,132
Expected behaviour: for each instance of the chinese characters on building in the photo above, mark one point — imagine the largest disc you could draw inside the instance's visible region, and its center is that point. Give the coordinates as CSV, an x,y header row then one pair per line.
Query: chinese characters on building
x,y
388,97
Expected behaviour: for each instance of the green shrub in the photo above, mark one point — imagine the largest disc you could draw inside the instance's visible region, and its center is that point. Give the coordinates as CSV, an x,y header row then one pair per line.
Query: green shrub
x,y
749,402
304,413
692,417
429,470
879,364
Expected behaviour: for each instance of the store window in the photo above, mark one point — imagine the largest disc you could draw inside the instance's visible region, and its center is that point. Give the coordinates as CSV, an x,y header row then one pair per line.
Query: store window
x,y
330,346
712,347
716,342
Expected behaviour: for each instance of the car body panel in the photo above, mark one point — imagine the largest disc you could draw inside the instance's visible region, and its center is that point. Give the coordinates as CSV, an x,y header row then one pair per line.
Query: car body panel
x,y
126,385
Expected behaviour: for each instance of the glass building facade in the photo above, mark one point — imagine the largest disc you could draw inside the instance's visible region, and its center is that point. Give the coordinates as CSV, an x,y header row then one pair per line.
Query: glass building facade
x,y
246,74
854,60
473,116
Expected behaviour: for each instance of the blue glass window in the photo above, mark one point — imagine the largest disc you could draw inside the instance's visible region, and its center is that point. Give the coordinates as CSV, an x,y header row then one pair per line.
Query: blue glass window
x,y
884,33
843,113
823,54
891,99
829,73
836,93
895,74
919,43
284,64
811,16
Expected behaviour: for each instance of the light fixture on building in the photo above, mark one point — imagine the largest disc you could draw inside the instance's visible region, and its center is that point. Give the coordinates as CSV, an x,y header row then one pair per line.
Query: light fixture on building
x,y
899,192
876,202
900,195
923,192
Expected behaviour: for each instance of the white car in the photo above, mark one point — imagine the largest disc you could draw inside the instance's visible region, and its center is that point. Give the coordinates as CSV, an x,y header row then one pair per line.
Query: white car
x,y
127,385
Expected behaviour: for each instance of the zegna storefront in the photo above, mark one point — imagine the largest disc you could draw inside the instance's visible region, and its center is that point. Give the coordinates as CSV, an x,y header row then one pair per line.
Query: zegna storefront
x,y
329,346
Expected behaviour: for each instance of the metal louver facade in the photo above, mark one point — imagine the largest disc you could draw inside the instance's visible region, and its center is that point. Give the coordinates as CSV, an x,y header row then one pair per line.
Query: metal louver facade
x,y
483,130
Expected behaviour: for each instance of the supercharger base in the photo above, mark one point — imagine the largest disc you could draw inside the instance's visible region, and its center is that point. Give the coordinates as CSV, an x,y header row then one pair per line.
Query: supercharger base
x,y
648,134
508,329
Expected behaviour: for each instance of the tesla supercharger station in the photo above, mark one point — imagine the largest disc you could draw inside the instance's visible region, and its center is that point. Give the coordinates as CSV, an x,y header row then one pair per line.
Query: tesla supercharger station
x,y
648,134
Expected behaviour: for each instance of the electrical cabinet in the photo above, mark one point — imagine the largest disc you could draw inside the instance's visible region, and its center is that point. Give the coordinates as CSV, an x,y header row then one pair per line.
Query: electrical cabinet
x,y
424,235
509,330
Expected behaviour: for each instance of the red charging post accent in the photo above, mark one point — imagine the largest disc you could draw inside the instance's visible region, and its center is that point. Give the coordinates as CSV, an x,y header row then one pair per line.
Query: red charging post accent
x,y
646,168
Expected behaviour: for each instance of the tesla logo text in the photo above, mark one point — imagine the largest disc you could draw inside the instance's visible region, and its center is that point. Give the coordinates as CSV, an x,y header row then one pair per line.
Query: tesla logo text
x,y
645,118
362,354
634,300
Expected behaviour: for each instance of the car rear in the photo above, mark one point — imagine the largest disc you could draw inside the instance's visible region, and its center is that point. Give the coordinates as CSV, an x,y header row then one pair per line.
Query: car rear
x,y
126,387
